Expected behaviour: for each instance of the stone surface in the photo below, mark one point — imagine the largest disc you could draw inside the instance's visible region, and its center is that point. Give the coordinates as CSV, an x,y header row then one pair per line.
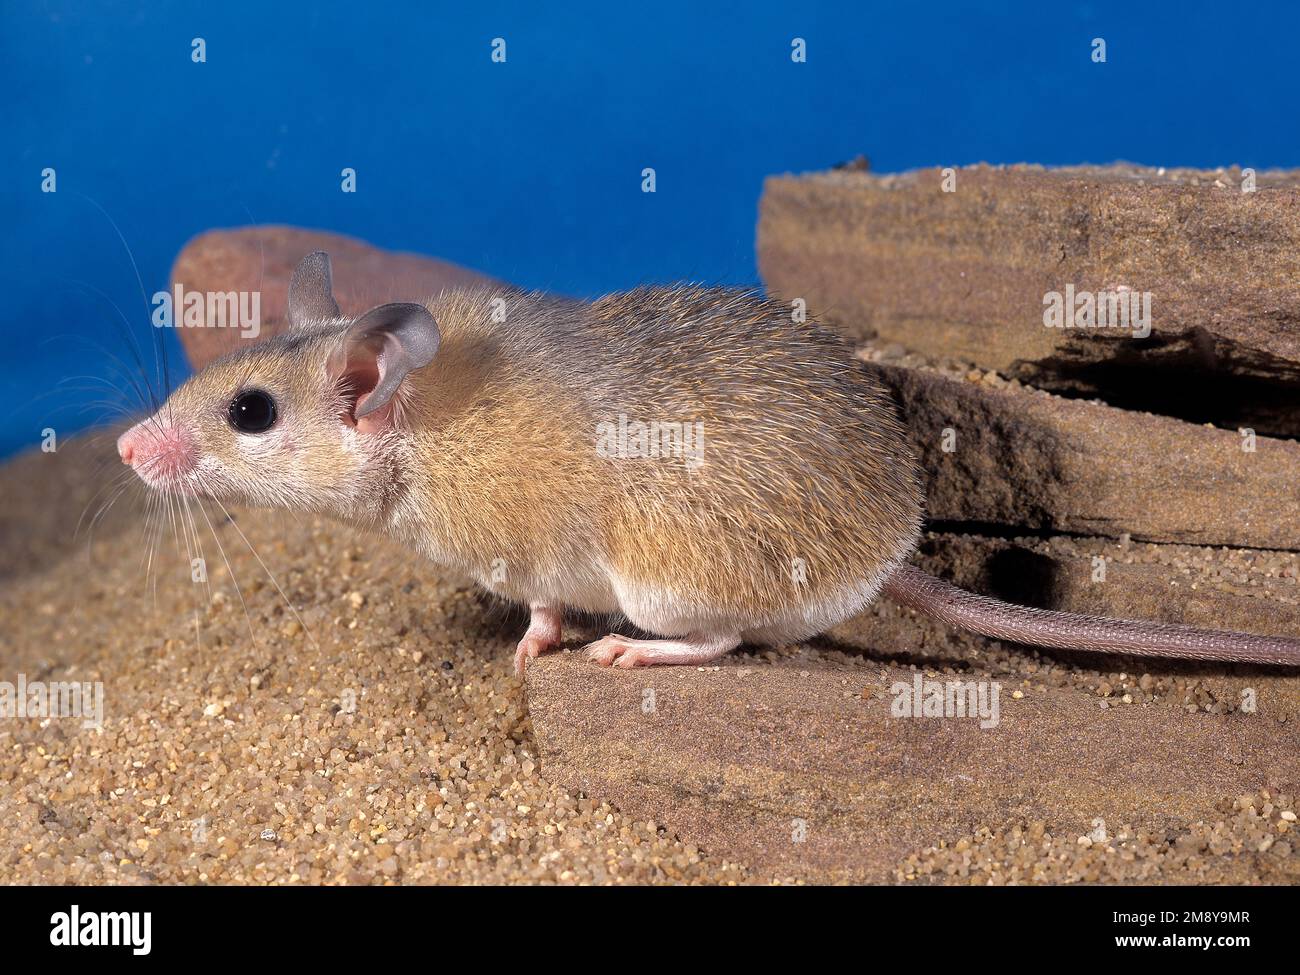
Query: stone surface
x,y
1174,584
965,273
263,258
799,769
1025,458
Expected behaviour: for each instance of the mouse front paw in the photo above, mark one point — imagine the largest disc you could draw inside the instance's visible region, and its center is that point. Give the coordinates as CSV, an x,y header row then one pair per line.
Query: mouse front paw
x,y
543,635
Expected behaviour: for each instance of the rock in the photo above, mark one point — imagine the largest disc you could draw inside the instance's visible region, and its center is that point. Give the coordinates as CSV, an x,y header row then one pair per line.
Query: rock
x,y
1146,590
1031,460
787,768
253,258
965,274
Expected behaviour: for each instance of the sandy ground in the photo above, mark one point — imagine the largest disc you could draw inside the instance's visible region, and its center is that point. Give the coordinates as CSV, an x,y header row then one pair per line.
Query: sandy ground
x,y
381,737
378,735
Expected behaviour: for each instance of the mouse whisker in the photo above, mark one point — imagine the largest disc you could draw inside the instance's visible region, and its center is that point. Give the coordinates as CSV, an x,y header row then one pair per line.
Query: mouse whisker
x,y
103,510
147,395
229,568
270,575
115,487
146,526
192,530
151,574
130,254
182,536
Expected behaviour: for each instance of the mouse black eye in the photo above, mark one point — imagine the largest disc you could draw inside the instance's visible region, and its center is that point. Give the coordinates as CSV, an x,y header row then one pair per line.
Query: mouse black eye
x,y
252,411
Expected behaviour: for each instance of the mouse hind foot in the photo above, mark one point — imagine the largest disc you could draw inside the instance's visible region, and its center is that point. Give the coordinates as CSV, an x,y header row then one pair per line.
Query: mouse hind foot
x,y
695,648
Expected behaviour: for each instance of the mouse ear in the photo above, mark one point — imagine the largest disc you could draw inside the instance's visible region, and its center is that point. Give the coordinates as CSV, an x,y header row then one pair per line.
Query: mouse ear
x,y
382,347
311,293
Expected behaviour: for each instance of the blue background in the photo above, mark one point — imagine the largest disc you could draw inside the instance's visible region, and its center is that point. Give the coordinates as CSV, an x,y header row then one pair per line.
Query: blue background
x,y
531,170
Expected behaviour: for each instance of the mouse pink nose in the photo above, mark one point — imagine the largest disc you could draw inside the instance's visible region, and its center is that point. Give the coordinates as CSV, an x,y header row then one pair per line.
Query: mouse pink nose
x,y
156,450
126,446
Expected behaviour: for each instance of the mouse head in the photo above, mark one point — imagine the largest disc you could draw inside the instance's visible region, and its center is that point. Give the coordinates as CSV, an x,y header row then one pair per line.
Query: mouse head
x,y
311,419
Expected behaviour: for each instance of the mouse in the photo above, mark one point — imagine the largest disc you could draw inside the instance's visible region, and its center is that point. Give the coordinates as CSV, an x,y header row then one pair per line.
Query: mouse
x,y
689,459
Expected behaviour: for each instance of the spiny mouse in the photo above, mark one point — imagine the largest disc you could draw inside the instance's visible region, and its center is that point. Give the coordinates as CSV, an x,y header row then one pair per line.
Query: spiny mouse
x,y
688,458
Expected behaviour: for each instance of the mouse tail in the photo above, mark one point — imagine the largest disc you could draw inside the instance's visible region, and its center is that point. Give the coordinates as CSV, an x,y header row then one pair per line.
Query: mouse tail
x,y
956,607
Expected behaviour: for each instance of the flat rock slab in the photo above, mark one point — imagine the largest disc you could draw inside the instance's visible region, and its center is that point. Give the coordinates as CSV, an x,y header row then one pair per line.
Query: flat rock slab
x,y
1140,590
965,273
263,258
790,769
1023,458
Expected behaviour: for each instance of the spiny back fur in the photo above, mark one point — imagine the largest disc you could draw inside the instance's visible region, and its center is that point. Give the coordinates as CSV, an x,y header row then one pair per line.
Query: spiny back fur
x,y
806,489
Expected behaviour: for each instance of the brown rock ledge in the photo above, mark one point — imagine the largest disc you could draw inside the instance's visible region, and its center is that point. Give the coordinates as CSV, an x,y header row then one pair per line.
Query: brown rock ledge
x,y
964,273
744,758
1025,458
